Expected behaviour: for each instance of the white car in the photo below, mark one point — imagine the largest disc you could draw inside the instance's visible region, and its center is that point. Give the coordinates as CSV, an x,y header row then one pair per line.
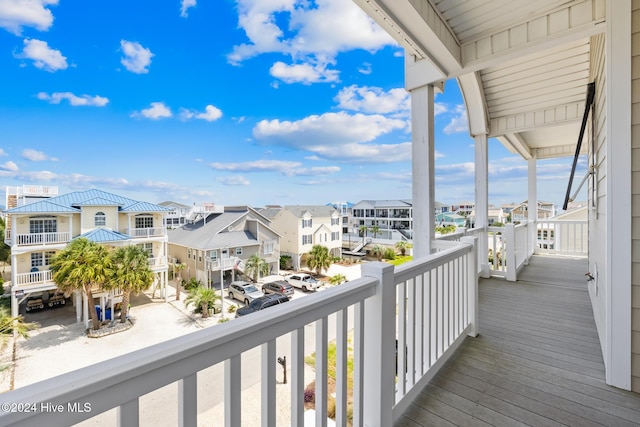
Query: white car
x,y
304,281
244,291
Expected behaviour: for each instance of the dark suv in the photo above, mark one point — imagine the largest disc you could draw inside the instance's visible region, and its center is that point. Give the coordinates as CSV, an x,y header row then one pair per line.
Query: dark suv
x,y
262,303
278,287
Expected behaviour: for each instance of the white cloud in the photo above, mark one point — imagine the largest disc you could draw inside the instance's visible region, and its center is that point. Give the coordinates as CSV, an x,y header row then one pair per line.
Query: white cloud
x,y
373,100
15,14
9,166
284,167
305,73
366,153
210,114
328,128
459,122
74,100
299,29
157,111
365,68
3,153
185,5
43,56
233,180
36,156
137,58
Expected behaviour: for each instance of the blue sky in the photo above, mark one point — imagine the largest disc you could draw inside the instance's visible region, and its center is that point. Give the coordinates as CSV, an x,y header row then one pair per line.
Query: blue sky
x,y
234,102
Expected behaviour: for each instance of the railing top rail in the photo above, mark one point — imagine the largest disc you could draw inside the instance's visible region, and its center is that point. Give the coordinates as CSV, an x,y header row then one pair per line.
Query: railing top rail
x,y
119,380
419,265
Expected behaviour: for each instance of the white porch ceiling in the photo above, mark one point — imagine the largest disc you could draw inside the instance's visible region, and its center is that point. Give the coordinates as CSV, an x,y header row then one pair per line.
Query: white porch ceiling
x,y
531,58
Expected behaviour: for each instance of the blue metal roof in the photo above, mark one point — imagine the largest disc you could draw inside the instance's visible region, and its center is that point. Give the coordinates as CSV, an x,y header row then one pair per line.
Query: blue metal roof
x,y
104,235
43,206
67,203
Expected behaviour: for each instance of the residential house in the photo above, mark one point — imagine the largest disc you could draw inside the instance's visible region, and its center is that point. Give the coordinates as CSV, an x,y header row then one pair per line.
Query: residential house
x,y
450,219
346,211
520,213
178,214
394,218
220,243
463,208
302,227
39,229
493,215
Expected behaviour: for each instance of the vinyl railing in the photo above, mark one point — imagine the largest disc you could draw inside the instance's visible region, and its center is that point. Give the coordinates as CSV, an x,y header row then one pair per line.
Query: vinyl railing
x,y
146,232
41,238
563,237
159,261
36,277
425,308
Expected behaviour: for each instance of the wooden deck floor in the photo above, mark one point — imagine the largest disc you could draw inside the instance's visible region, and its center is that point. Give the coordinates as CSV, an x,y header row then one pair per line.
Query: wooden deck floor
x,y
536,362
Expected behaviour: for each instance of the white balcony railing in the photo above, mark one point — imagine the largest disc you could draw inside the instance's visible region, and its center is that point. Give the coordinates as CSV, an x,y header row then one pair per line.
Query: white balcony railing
x,y
426,308
33,278
146,232
159,261
563,237
42,238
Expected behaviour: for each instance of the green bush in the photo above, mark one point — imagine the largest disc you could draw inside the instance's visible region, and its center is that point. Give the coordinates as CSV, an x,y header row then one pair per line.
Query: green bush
x,y
286,262
389,253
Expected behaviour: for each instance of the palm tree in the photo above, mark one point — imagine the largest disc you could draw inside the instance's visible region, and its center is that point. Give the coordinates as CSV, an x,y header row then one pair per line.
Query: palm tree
x,y
319,258
255,267
402,246
131,274
202,298
377,251
85,265
9,325
179,267
363,230
375,230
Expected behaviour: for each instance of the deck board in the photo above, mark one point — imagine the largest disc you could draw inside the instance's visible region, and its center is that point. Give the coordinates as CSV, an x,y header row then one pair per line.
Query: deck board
x,y
537,360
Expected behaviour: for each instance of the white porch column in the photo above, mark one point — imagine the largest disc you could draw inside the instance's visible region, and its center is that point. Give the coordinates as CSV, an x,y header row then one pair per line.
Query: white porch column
x,y
533,202
422,160
14,275
617,348
482,199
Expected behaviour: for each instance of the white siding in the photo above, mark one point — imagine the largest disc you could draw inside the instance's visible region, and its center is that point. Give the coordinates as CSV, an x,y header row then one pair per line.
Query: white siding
x,y
597,219
635,189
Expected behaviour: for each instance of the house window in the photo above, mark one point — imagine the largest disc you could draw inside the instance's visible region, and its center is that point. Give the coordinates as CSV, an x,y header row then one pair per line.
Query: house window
x,y
267,248
335,236
307,239
213,255
39,259
199,256
335,221
238,251
188,253
43,226
307,223
144,221
100,219
147,247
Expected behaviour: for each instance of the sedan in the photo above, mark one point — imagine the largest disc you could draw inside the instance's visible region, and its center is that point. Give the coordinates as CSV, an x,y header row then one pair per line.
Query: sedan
x,y
278,287
244,291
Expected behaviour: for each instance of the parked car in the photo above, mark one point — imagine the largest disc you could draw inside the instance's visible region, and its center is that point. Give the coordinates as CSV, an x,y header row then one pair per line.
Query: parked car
x,y
34,303
278,287
304,281
262,303
244,291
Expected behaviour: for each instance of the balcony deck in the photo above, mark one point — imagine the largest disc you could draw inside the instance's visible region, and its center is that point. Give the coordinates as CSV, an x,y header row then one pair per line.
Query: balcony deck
x,y
537,360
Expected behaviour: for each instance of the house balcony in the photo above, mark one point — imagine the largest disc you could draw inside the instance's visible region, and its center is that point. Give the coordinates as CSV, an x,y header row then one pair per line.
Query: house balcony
x,y
35,278
37,239
143,233
158,262
537,360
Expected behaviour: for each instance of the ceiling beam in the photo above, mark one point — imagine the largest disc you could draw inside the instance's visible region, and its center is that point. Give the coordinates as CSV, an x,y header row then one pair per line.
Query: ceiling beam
x,y
573,21
514,143
530,120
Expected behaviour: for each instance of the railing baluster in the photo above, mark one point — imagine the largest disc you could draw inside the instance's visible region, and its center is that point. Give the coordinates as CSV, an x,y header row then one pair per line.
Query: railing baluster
x,y
411,333
297,377
419,329
232,391
321,372
129,414
268,384
426,279
187,401
401,341
358,371
341,368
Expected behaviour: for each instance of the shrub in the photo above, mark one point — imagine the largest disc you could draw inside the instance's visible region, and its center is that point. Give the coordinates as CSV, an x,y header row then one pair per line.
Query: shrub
x,y
191,284
232,308
310,394
389,253
285,262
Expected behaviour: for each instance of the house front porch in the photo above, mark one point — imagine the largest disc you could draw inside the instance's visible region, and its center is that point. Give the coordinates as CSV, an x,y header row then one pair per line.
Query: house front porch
x,y
536,361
